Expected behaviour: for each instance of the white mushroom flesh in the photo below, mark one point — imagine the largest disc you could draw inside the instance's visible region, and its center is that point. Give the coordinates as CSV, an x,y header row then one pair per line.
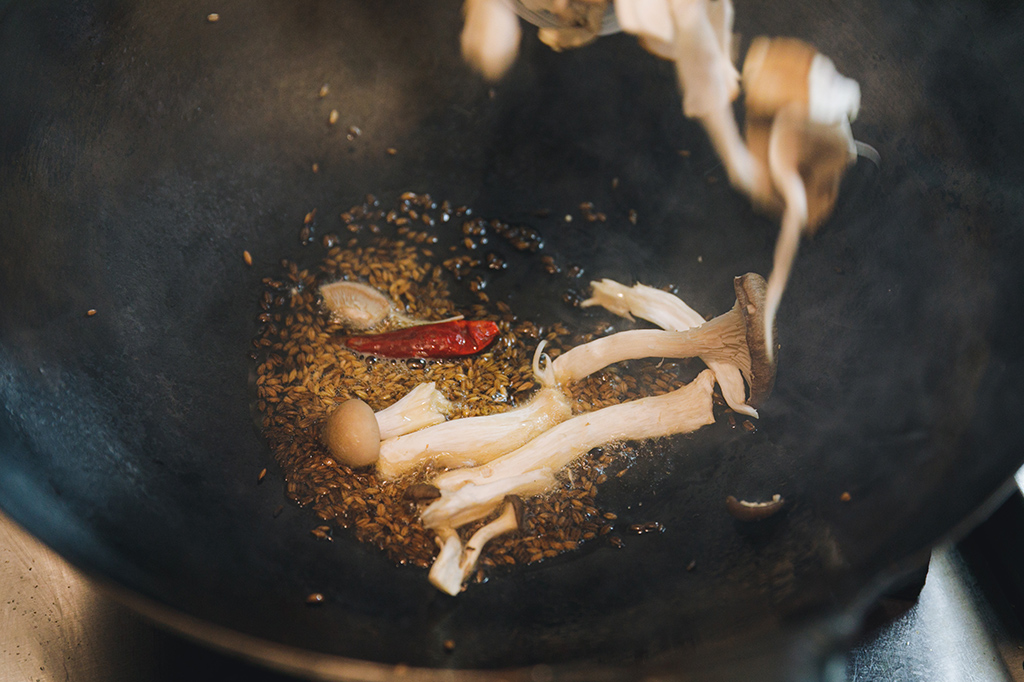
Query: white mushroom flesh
x,y
669,312
473,440
455,563
807,161
355,305
421,407
446,572
471,494
697,36
490,36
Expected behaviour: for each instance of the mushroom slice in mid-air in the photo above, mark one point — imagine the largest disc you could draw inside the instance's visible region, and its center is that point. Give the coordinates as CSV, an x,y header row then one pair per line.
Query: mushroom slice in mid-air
x,y
490,36
669,312
799,110
579,21
697,36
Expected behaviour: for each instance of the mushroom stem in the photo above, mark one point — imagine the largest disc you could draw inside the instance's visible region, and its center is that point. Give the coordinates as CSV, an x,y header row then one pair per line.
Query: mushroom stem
x,y
669,312
799,110
697,36
721,337
471,494
794,220
473,440
455,563
421,407
490,36
446,572
479,497
709,82
734,338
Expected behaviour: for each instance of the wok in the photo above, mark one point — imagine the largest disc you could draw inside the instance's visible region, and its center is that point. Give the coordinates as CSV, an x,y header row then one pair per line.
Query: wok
x,y
143,148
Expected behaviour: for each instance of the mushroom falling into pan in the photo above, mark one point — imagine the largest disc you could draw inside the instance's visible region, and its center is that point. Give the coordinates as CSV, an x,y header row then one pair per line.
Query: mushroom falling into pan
x,y
798,140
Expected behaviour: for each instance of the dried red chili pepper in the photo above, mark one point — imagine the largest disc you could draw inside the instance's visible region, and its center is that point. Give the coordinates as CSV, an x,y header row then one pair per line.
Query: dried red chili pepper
x,y
449,339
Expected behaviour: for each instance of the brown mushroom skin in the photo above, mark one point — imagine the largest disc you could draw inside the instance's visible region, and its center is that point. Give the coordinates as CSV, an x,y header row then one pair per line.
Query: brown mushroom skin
x,y
352,434
750,294
775,75
422,492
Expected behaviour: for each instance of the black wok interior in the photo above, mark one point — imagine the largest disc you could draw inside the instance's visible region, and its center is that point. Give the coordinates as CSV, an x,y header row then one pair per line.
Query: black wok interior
x,y
143,148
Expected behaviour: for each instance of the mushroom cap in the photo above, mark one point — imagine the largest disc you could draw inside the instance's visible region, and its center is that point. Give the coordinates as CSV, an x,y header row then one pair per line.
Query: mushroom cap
x,y
352,434
750,299
354,304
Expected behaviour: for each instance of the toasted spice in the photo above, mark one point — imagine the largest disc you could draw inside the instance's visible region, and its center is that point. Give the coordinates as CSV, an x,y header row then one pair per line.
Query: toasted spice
x,y
303,372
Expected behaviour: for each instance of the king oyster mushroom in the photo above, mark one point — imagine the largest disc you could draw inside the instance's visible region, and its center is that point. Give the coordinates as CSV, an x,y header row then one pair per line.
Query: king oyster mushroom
x,y
730,345
473,440
422,407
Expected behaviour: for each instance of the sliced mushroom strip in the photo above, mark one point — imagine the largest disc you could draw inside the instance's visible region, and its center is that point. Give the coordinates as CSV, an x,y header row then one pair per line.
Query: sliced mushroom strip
x,y
455,563
697,36
807,161
471,494
421,407
799,109
473,440
654,305
490,36
735,338
669,312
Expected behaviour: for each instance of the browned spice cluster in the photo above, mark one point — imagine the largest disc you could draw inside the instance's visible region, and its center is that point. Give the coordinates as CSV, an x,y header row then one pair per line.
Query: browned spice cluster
x,y
303,372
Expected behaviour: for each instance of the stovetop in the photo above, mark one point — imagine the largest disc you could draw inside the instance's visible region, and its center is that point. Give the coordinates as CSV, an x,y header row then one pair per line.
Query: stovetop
x,y
963,624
